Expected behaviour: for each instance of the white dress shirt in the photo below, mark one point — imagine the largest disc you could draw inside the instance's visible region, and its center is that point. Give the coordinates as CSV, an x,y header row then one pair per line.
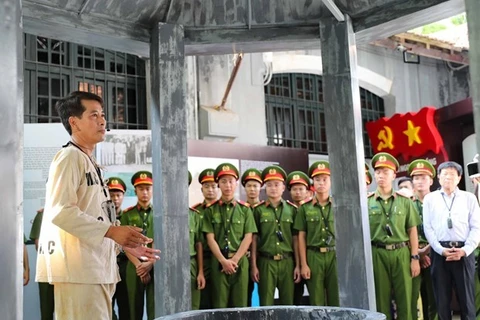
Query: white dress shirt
x,y
465,216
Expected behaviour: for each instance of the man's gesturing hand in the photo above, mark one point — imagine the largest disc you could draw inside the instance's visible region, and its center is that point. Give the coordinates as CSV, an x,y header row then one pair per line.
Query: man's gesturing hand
x,y
127,236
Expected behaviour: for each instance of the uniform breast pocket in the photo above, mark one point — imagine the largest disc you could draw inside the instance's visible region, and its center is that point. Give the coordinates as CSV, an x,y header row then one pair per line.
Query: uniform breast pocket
x,y
313,223
238,226
399,215
135,222
216,224
374,216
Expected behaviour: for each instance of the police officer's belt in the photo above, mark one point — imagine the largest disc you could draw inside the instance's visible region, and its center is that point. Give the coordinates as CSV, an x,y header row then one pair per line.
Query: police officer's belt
x,y
392,246
321,249
231,254
276,257
207,254
452,244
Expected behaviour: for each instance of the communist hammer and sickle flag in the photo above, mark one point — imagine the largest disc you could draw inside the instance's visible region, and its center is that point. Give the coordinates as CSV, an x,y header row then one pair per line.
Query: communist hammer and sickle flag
x,y
412,134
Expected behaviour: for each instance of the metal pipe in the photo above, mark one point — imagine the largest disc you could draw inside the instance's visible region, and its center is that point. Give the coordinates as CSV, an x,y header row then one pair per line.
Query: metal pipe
x,y
231,80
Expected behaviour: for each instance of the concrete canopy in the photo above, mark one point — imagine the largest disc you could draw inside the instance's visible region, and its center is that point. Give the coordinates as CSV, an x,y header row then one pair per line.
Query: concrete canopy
x,y
223,26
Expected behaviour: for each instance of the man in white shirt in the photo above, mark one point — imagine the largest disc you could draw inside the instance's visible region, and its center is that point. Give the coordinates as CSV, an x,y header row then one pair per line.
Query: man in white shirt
x,y
451,220
77,250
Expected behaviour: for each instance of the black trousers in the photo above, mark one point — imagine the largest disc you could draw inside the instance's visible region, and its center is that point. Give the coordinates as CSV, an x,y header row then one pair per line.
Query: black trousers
x,y
457,275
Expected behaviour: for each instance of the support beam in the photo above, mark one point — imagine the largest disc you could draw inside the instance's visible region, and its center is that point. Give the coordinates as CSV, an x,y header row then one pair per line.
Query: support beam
x,y
257,39
337,13
11,159
403,16
347,161
170,165
46,21
473,11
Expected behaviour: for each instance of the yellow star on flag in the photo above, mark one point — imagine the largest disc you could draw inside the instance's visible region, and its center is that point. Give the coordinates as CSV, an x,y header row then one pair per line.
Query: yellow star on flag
x,y
412,133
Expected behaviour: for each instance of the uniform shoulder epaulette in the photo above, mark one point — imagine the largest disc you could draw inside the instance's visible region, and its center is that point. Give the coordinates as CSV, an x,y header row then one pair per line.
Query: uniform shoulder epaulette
x,y
258,204
211,204
40,210
194,210
370,194
243,203
196,205
128,209
292,204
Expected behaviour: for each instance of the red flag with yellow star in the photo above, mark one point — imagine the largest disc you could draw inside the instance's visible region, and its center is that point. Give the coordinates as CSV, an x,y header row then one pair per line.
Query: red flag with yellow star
x,y
410,134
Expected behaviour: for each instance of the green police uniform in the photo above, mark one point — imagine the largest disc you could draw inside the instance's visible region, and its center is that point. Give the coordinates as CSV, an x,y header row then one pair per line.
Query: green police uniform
x,y
120,296
229,223
390,220
422,285
194,226
251,174
275,254
143,218
298,177
318,223
275,257
205,294
45,290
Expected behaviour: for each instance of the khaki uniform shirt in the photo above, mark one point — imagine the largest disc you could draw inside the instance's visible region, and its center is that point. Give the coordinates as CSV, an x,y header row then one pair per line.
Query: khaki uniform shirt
x,y
72,245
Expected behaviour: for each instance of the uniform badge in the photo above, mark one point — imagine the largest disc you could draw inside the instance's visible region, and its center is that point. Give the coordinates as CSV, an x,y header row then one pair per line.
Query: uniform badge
x,y
115,181
272,171
296,177
226,168
382,159
420,165
143,176
321,166
251,174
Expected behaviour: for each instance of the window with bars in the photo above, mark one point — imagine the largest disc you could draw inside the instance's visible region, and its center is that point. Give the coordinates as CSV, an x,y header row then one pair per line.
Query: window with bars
x,y
295,115
54,68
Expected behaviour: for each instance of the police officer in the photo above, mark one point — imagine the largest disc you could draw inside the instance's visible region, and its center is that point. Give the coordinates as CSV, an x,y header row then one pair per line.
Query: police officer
x,y
197,281
229,225
45,290
422,173
117,189
139,274
210,194
298,183
252,183
393,232
316,226
273,262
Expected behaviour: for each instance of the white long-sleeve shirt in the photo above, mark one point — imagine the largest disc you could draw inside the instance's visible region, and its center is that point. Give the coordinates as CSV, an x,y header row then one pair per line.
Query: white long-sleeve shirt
x,y
465,216
73,247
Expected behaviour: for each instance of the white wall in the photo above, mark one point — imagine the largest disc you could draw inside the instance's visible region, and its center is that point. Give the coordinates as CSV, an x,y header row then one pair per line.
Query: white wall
x,y
404,87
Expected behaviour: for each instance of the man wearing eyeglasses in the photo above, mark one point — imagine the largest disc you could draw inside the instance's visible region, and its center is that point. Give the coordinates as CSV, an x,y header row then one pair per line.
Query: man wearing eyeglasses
x,y
451,220
139,274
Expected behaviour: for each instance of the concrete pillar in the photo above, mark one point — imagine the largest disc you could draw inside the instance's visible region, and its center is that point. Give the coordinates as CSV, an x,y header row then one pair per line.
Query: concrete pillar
x,y
11,160
346,156
473,10
170,178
